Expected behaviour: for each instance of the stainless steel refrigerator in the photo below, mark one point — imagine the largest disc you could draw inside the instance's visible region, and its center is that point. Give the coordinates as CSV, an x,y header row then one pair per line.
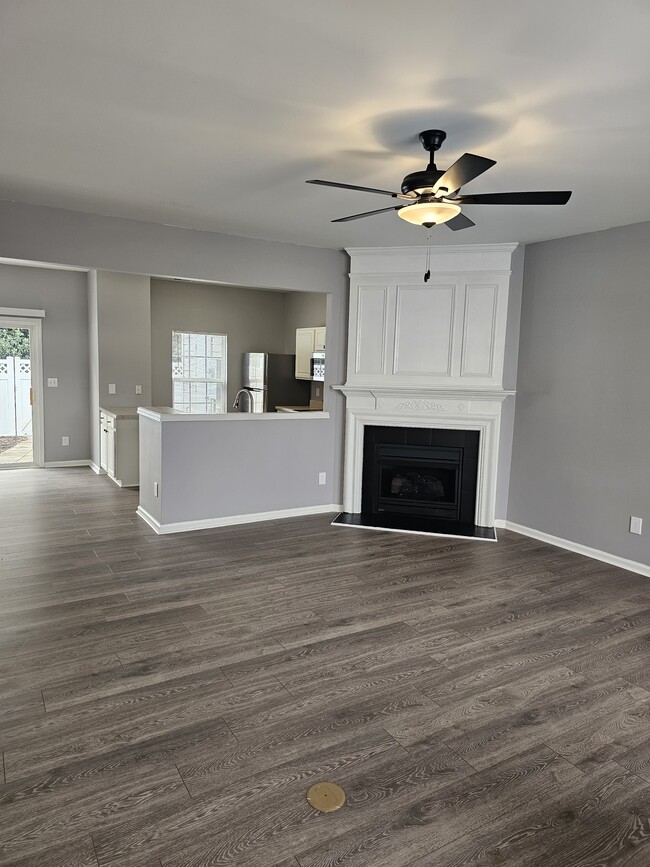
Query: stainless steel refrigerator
x,y
269,380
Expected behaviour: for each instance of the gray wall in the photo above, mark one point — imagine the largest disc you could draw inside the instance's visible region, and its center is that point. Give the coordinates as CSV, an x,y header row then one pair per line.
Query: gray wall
x,y
150,448
119,330
580,454
112,244
509,382
93,368
253,320
62,294
124,319
242,466
302,311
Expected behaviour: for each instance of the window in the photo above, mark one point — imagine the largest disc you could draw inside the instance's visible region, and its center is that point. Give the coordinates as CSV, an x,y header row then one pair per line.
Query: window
x,y
198,372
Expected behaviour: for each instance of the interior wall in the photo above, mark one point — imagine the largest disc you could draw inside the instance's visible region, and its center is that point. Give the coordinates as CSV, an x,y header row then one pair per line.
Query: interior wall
x,y
253,320
93,370
119,332
36,233
302,310
580,452
124,319
62,294
510,362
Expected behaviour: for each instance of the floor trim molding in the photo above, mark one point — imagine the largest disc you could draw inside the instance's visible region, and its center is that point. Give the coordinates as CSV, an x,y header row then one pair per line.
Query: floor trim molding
x,y
53,464
230,520
577,548
97,470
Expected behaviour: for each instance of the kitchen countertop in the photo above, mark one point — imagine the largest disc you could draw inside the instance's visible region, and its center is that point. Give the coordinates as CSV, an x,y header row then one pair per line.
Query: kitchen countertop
x,y
167,414
286,408
120,411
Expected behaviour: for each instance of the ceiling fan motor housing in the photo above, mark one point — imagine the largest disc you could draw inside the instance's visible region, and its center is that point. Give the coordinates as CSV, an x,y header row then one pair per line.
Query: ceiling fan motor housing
x,y
420,181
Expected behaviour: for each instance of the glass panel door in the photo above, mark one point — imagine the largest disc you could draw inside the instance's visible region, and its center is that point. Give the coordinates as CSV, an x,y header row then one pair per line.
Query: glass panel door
x,y
16,436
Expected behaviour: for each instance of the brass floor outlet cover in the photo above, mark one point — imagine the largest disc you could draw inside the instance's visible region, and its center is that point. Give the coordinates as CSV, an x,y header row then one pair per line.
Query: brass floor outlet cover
x,y
326,797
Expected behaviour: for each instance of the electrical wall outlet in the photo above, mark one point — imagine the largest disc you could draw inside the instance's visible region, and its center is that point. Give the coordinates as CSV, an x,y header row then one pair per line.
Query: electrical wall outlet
x,y
322,478
111,388
138,389
318,391
65,441
635,525
52,382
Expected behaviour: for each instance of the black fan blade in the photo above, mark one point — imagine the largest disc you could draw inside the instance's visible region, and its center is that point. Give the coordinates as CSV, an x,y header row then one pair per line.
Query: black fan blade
x,y
354,187
460,222
366,214
464,170
555,197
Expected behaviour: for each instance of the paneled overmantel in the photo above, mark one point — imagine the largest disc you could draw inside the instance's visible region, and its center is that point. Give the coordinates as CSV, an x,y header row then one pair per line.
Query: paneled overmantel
x,y
428,353
448,331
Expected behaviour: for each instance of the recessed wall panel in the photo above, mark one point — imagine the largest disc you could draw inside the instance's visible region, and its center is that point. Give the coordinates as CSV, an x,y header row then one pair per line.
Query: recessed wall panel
x,y
424,330
478,330
371,329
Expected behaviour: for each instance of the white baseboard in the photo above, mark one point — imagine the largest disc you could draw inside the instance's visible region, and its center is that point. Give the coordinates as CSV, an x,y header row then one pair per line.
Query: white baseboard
x,y
230,520
98,470
500,523
51,464
149,519
568,545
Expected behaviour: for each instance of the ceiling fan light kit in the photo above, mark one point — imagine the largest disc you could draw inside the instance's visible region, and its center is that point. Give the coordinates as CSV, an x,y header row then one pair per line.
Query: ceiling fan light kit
x,y
432,195
429,214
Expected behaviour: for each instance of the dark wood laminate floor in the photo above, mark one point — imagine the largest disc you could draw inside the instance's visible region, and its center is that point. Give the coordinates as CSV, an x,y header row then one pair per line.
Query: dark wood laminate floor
x,y
169,700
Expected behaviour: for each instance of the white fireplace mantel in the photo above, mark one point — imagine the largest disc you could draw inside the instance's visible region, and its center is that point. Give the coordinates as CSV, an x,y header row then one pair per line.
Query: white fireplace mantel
x,y
424,408
430,354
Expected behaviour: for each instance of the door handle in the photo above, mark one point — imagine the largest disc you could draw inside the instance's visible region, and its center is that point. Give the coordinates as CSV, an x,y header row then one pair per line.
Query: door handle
x,y
31,397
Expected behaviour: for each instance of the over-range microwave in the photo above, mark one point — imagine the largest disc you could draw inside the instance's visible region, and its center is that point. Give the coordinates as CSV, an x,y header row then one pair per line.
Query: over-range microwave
x,y
318,366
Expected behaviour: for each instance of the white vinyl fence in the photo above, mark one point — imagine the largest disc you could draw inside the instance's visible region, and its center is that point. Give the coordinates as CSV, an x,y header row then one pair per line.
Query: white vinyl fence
x,y
15,408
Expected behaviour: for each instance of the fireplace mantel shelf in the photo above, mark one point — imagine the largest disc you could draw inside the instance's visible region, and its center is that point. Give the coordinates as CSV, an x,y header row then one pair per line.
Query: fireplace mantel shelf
x,y
424,392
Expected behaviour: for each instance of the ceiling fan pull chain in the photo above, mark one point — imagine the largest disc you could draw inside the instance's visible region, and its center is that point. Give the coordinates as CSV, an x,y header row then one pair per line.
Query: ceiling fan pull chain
x,y
427,273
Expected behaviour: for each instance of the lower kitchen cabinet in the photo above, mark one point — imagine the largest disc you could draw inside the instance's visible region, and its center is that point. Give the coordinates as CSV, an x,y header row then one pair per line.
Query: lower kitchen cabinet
x,y
119,445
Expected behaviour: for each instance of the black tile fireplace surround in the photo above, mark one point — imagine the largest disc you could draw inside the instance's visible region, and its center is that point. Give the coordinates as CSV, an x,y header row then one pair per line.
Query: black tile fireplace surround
x,y
419,479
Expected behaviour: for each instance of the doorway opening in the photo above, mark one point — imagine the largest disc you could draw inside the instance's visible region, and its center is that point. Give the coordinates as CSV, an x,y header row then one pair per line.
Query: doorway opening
x,y
19,393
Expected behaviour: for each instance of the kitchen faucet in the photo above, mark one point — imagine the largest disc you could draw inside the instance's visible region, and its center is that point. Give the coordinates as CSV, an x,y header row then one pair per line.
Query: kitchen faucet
x,y
245,391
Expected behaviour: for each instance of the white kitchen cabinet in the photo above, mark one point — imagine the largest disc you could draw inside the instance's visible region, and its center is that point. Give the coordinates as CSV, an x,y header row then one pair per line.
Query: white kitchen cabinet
x,y
304,349
103,441
119,445
308,340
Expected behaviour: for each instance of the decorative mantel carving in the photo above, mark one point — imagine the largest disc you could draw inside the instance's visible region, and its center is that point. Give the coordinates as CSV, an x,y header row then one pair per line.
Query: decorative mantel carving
x,y
420,405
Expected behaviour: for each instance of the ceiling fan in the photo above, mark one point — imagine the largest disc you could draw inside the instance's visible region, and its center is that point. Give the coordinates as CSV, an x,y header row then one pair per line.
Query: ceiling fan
x,y
431,196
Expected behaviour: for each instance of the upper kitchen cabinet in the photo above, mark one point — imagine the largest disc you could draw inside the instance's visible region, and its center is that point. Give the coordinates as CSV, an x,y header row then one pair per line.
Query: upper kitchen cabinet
x,y
308,341
448,331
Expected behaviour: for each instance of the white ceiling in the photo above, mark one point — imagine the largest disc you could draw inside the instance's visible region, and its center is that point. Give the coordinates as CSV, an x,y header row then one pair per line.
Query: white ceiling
x,y
212,113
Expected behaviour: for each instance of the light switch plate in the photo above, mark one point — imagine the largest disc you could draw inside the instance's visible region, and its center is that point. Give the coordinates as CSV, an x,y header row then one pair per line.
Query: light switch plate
x,y
52,382
111,388
636,525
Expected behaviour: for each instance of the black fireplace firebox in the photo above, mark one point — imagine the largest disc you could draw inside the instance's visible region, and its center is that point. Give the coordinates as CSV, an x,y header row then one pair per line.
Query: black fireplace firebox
x,y
423,473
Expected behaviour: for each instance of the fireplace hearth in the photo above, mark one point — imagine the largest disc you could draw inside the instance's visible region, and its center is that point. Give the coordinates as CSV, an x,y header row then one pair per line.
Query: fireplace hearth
x,y
419,479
